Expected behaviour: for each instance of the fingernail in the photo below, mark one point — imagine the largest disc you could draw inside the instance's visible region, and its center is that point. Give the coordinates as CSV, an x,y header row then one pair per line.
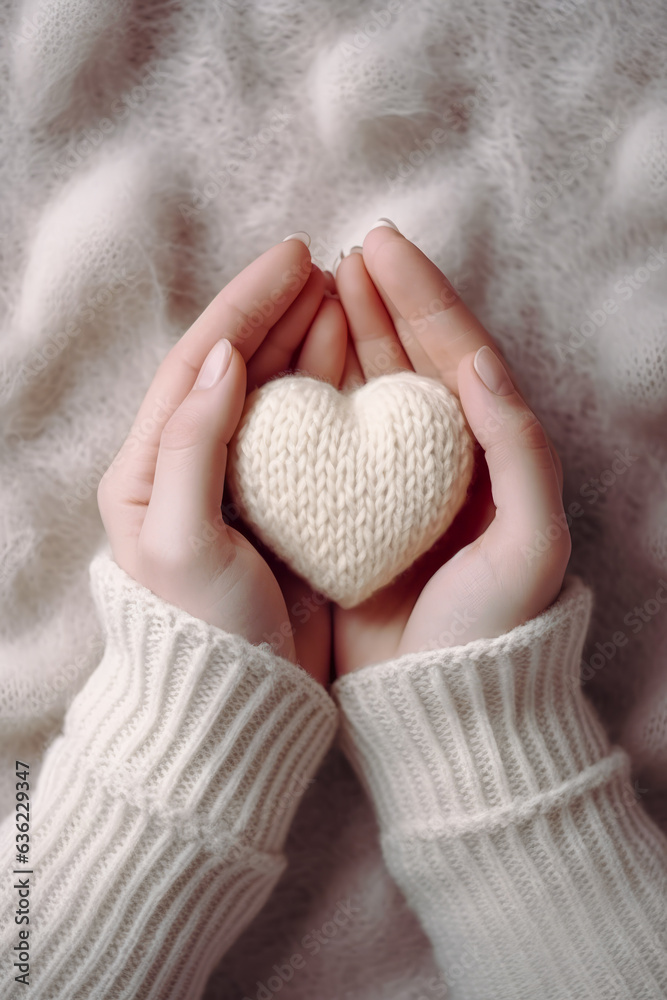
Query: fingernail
x,y
385,222
303,237
492,372
356,250
215,365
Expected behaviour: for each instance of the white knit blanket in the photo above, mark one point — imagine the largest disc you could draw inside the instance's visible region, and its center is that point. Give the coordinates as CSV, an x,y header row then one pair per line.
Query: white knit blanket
x,y
152,149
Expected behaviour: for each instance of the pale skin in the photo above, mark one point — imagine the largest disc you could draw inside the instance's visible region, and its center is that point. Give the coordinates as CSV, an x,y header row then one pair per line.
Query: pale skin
x,y
395,309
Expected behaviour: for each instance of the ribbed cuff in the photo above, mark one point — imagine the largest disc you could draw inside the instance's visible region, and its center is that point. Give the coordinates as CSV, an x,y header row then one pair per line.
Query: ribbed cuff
x,y
159,815
507,819
476,736
190,722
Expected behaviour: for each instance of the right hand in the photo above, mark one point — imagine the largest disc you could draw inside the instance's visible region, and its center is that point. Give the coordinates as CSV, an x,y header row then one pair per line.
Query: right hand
x,y
484,576
160,500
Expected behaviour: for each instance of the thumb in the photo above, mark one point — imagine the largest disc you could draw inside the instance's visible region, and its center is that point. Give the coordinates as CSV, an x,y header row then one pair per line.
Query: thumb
x,y
192,456
524,480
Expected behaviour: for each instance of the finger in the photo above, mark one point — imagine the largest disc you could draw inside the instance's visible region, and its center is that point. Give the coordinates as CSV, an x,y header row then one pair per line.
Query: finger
x,y
252,303
524,481
376,343
277,349
329,283
190,468
431,319
323,351
242,312
437,329
352,376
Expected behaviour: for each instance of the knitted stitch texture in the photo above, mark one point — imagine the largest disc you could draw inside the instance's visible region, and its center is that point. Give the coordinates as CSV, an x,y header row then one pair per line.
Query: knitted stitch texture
x,y
162,808
504,815
154,149
507,819
349,489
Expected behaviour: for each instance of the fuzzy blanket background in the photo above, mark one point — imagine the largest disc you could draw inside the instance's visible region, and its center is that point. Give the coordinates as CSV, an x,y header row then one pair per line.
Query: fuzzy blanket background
x,y
152,148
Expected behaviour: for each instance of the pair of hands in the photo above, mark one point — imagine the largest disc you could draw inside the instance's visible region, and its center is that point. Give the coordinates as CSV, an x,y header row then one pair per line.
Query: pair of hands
x,y
160,499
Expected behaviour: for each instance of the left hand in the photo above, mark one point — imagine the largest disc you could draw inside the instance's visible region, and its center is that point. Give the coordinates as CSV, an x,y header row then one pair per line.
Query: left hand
x,y
487,573
160,498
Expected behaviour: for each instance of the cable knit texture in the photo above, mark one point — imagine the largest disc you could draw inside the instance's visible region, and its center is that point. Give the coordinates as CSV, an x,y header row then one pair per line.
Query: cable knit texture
x,y
154,149
350,488
506,817
163,806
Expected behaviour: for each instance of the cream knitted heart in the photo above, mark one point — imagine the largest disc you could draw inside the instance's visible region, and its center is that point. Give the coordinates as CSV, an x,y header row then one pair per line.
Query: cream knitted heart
x,y
350,488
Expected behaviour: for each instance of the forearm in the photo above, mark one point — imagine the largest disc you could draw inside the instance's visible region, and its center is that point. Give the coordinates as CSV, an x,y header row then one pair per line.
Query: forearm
x,y
160,812
508,820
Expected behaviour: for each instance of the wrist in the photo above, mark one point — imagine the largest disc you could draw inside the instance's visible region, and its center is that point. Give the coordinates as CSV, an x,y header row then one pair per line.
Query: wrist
x,y
227,586
452,737
489,593
177,712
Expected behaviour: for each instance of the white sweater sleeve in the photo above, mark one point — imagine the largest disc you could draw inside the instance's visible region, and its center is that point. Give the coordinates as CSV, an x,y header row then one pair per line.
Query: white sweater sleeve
x,y
160,812
507,818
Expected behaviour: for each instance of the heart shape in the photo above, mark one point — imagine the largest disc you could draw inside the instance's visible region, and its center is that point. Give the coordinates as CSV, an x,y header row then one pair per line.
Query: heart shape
x,y
349,488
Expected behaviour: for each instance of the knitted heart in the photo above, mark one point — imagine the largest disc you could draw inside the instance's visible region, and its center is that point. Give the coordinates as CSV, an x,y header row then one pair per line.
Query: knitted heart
x,y
350,488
